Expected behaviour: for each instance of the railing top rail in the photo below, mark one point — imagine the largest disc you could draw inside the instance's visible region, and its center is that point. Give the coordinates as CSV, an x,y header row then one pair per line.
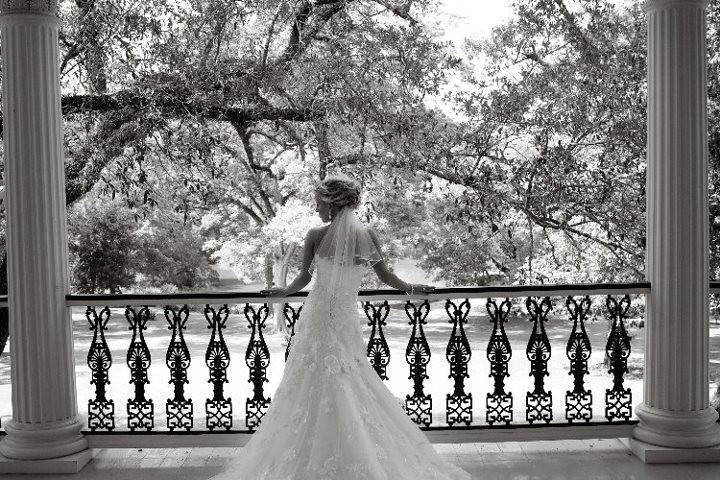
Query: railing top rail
x,y
556,290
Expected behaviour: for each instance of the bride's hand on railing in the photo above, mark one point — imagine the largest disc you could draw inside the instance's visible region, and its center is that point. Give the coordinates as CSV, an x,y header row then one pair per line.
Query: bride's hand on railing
x,y
274,292
416,289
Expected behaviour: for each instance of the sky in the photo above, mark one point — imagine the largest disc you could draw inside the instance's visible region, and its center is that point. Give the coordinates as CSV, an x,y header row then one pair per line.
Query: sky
x,y
473,18
466,19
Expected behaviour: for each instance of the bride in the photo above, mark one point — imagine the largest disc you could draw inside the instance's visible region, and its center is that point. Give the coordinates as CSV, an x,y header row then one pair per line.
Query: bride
x,y
331,417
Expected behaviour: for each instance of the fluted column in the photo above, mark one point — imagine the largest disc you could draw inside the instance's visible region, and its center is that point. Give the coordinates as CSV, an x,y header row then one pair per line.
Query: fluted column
x,y
45,422
676,412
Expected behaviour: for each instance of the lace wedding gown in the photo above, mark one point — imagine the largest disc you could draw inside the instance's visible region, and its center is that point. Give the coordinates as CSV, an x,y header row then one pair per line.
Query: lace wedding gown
x,y
331,417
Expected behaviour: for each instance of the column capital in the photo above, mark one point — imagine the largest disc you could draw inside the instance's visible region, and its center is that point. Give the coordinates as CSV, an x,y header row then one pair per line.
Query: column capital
x,y
650,5
36,7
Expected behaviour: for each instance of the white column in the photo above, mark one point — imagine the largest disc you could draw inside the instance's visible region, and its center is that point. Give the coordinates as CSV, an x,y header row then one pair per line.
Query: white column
x,y
45,422
676,412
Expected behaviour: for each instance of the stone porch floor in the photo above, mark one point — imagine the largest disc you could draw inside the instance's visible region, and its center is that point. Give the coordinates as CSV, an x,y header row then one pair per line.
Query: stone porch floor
x,y
556,460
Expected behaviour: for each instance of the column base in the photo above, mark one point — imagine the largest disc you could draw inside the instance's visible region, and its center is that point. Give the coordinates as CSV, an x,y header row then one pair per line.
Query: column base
x,y
67,464
648,453
677,429
41,441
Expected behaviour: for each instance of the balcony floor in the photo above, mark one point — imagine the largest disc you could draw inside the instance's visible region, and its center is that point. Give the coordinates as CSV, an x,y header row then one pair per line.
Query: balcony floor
x,y
556,460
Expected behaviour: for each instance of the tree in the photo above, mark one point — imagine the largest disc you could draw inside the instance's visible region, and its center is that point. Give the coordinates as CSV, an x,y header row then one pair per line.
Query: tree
x,y
111,250
215,104
172,253
103,248
229,113
553,130
713,77
258,76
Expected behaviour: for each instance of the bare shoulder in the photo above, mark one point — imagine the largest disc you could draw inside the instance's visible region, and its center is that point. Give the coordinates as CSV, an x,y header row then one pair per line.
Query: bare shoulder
x,y
316,233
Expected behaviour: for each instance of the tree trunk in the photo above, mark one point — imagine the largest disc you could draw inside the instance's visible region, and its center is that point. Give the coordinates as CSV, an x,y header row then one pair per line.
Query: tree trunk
x,y
269,283
90,32
269,270
281,265
323,148
280,281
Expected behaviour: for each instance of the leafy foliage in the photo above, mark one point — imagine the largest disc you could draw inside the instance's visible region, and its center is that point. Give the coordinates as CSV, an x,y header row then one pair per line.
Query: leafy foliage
x,y
111,252
529,169
204,105
549,153
174,256
713,77
103,249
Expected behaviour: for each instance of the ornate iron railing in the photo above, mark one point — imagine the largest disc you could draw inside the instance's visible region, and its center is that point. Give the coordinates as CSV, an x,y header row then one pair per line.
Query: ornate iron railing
x,y
460,409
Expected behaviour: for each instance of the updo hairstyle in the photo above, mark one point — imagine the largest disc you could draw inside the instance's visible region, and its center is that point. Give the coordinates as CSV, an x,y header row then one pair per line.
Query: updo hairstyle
x,y
339,191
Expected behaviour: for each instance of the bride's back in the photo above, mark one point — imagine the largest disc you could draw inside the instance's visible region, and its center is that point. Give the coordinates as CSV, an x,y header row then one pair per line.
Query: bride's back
x,y
345,281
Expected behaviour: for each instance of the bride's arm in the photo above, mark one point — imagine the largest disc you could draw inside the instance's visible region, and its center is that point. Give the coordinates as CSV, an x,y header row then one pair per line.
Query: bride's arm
x,y
389,278
304,276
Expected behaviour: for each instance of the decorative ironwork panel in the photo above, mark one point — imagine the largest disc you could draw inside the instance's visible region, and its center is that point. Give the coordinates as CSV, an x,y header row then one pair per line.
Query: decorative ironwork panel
x,y
257,357
578,402
179,410
538,403
101,411
140,410
618,400
378,352
459,404
218,409
291,317
417,354
499,403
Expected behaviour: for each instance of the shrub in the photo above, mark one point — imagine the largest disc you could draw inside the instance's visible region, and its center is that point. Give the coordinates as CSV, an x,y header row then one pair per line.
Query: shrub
x,y
175,256
103,248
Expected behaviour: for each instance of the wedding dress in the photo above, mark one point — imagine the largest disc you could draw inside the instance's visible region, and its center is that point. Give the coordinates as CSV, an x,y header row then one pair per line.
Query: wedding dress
x,y
331,416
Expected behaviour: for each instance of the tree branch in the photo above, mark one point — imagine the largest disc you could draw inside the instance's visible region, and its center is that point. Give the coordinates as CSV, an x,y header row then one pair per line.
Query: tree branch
x,y
175,107
310,18
79,104
402,12
583,43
